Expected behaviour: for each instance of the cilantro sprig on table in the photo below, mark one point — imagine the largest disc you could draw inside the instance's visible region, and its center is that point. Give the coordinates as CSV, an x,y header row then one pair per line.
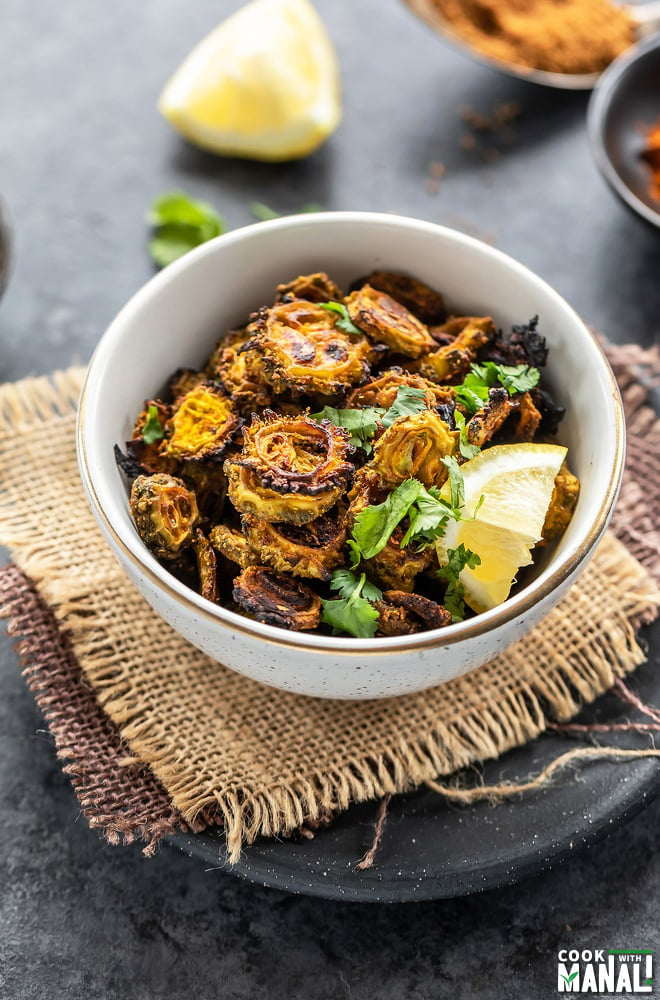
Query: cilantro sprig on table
x,y
180,223
352,611
363,424
473,391
153,429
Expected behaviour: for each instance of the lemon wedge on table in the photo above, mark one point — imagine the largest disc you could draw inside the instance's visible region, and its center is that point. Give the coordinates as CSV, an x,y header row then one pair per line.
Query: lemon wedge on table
x,y
516,482
264,84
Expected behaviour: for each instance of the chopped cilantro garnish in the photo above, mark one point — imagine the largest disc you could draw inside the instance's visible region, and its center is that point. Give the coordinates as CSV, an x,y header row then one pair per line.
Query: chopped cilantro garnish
x,y
263,212
180,223
473,392
352,612
345,322
456,484
467,450
375,524
153,429
408,402
458,559
362,424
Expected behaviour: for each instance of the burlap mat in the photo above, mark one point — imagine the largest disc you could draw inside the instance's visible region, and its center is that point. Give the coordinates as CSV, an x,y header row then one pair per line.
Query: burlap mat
x,y
223,749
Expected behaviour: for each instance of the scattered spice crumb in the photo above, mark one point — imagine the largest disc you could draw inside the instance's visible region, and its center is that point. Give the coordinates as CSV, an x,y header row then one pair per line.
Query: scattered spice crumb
x,y
467,141
437,170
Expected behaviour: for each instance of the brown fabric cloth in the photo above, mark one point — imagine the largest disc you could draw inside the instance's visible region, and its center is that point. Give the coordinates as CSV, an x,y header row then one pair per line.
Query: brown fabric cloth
x,y
227,749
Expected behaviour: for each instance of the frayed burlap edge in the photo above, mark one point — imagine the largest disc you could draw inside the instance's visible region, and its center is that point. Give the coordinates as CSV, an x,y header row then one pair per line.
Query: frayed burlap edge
x,y
248,813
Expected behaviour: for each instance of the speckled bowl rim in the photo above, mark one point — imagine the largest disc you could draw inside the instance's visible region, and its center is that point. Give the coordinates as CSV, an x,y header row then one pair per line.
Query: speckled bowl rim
x,y
216,615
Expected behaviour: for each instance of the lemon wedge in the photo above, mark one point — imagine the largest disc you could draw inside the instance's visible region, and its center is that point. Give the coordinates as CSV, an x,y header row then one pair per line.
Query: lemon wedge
x,y
264,84
516,482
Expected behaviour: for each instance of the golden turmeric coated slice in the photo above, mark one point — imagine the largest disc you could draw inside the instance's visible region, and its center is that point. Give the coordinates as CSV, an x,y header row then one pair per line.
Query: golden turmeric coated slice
x,y
240,373
276,599
385,320
165,514
451,362
311,550
303,350
290,469
202,425
415,446
420,299
564,498
207,567
233,545
311,287
382,390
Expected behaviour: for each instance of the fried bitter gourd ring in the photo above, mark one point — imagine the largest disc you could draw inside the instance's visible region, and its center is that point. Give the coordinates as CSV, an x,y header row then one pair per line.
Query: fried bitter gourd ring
x,y
202,424
421,300
165,514
302,349
277,600
312,550
452,361
415,446
382,390
385,320
239,372
311,287
290,468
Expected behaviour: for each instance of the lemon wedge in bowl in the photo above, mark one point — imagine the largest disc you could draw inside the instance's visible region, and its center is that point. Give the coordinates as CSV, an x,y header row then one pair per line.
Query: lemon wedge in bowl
x,y
516,482
263,85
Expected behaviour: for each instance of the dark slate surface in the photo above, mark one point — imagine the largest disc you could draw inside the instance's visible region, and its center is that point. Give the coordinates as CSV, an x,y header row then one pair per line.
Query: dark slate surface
x,y
83,152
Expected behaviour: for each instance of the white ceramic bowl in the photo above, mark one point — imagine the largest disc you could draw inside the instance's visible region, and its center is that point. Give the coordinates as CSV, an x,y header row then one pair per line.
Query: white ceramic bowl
x,y
175,321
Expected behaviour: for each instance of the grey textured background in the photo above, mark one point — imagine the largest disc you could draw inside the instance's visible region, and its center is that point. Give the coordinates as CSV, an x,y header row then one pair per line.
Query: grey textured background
x,y
82,153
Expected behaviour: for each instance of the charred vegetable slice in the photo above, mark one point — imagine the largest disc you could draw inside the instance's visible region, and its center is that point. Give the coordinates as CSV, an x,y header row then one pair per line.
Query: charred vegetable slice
x,y
303,351
384,319
312,550
401,613
240,372
290,469
452,361
310,287
564,498
233,545
421,300
382,390
275,599
207,566
202,424
165,514
414,447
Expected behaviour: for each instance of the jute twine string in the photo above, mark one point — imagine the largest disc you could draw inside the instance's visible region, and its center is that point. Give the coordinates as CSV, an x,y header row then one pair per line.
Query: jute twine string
x,y
262,762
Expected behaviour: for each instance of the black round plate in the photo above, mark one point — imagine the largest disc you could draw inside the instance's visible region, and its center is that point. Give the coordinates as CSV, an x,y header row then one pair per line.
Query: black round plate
x,y
625,102
433,850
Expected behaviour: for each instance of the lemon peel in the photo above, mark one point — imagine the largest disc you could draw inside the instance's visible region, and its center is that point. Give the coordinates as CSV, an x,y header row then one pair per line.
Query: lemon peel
x,y
516,482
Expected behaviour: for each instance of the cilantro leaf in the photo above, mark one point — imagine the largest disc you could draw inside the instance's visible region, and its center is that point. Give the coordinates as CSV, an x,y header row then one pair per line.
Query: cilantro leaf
x,y
518,378
345,323
427,519
361,423
409,401
353,611
153,429
180,223
457,560
473,392
467,450
456,484
375,524
263,212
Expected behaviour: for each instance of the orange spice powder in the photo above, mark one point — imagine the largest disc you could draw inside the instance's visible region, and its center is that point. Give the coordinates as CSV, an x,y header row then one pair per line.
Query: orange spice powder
x,y
562,36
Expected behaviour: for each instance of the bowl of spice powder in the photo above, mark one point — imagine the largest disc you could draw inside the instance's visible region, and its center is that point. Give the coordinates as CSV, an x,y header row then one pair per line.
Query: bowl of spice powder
x,y
560,43
624,128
